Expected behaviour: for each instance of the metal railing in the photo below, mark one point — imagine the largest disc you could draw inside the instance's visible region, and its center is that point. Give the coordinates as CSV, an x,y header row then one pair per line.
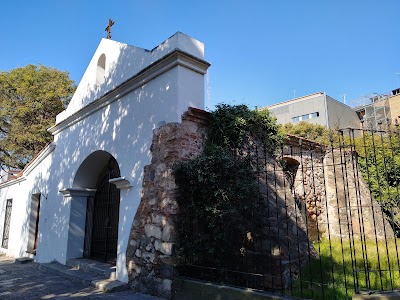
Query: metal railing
x,y
329,221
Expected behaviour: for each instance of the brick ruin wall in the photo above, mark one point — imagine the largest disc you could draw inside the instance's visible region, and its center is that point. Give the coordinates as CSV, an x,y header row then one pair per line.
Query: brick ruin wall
x,y
330,190
309,190
151,255
151,259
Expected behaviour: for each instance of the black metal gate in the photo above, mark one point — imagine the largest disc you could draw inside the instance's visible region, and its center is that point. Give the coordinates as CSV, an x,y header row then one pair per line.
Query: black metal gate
x,y
104,236
7,219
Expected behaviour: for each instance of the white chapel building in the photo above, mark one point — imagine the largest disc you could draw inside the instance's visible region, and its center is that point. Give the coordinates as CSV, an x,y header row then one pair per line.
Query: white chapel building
x,y
79,195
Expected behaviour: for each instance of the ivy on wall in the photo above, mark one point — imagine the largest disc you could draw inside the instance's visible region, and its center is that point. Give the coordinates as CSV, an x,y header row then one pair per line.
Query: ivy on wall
x,y
231,126
218,191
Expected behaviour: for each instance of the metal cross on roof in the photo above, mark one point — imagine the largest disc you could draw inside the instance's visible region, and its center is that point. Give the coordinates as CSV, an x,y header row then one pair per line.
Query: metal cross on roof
x,y
108,28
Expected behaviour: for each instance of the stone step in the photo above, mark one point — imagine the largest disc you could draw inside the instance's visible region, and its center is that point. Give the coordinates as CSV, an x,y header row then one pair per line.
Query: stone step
x,y
90,279
92,266
23,260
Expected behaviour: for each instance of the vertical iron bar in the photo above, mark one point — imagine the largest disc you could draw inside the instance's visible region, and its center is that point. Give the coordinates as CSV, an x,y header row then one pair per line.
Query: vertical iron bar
x,y
383,216
268,212
397,194
298,247
277,224
262,203
338,212
371,199
316,214
280,272
380,197
287,229
328,225
107,216
306,218
359,206
349,216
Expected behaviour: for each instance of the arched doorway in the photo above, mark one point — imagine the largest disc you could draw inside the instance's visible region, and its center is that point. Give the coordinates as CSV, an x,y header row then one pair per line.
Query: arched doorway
x,y
103,216
102,208
290,167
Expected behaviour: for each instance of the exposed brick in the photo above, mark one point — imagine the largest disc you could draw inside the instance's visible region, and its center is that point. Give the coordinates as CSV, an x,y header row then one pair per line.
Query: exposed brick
x,y
152,265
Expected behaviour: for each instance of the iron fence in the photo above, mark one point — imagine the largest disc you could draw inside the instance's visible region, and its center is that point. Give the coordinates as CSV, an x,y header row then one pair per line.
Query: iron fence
x,y
329,220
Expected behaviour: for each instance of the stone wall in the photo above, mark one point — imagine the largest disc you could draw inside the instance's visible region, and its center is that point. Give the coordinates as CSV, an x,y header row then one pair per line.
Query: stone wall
x,y
308,185
332,194
151,258
309,191
285,237
351,207
324,190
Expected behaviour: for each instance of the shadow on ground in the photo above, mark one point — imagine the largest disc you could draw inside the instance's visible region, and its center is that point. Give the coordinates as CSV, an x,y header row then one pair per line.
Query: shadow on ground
x,y
26,281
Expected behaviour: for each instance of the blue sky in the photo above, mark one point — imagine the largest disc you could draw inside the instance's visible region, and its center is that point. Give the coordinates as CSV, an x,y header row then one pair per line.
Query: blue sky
x,y
260,50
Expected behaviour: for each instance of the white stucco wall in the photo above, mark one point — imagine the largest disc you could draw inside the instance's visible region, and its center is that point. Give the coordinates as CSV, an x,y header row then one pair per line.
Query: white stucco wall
x,y
341,115
122,62
332,113
286,111
21,193
122,127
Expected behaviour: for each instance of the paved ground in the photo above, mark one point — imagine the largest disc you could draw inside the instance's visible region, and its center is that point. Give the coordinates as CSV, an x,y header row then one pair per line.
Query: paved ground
x,y
26,281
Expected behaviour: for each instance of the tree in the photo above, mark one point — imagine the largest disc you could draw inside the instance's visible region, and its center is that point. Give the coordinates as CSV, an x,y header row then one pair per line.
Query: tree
x,y
379,161
30,99
309,131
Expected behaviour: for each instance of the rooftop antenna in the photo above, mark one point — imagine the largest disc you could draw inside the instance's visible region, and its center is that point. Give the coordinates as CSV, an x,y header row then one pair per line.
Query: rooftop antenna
x,y
344,98
294,94
108,28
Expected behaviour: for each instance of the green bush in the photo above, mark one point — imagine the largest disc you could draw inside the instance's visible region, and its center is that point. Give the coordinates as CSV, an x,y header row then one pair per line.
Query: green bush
x,y
218,191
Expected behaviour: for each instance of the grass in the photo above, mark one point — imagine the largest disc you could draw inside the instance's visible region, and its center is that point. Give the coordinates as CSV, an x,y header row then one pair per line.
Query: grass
x,y
342,267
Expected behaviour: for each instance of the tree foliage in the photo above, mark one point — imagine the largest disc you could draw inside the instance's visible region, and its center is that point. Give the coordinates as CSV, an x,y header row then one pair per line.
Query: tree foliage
x,y
230,127
379,161
30,99
314,132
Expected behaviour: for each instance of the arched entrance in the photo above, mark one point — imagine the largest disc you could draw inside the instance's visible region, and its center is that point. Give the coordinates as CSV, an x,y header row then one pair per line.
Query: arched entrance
x,y
103,216
290,167
102,208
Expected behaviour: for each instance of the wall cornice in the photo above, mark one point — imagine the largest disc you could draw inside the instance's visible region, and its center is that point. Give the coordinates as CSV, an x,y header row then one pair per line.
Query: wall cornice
x,y
12,182
30,166
171,60
37,160
75,192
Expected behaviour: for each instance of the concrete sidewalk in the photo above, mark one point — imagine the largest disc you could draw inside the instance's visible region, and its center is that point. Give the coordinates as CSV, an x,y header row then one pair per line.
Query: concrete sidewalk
x,y
26,281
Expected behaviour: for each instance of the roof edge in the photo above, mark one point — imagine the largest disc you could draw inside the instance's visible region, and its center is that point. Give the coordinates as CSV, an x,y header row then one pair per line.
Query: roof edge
x,y
299,99
157,68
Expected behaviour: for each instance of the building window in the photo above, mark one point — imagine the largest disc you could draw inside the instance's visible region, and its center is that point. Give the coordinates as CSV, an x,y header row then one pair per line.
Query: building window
x,y
7,219
315,115
305,117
